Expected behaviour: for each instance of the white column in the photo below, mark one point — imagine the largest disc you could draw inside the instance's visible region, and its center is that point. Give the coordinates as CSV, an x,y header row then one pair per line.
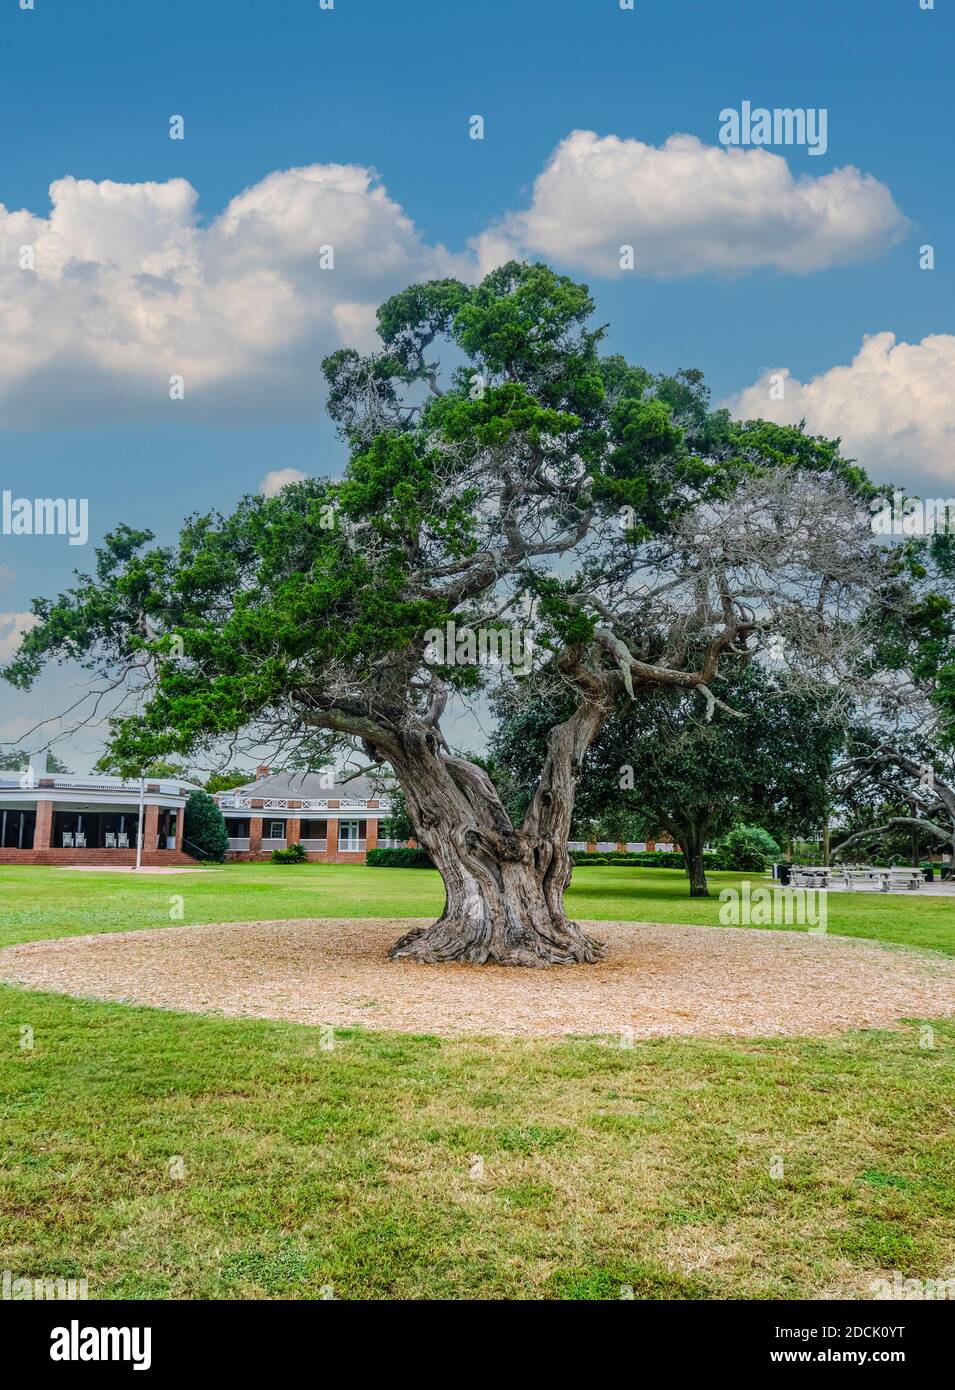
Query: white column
x,y
139,833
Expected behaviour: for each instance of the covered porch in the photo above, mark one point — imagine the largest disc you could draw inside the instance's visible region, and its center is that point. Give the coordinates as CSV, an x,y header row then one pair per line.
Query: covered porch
x,y
117,828
325,838
63,821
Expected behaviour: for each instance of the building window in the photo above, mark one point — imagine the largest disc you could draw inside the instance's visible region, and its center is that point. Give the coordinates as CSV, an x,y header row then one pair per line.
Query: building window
x,y
351,834
276,830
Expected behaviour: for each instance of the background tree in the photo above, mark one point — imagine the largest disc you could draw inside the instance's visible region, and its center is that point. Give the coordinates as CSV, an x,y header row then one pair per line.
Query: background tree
x,y
17,760
539,490
228,778
896,786
910,792
765,754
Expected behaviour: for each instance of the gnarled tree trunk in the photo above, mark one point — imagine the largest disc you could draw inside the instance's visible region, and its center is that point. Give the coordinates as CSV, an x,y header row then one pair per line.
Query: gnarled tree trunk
x,y
505,886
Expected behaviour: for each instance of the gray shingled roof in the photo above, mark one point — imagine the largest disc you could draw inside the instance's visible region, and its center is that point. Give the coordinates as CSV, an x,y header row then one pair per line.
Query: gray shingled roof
x,y
306,785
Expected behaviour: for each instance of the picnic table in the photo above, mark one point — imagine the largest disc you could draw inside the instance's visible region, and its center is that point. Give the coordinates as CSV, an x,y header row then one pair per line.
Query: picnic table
x,y
806,877
884,877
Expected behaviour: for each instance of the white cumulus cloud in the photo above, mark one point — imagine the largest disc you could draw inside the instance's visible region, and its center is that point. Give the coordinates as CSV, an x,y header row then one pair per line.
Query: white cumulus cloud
x,y
893,406
273,483
686,207
122,286
12,628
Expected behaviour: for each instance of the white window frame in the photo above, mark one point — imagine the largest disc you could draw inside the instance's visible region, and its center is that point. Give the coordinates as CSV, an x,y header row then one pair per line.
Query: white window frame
x,y
352,839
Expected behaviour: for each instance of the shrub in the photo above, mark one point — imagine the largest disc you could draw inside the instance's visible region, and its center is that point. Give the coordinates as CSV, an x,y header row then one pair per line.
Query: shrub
x,y
402,858
204,833
744,849
763,837
291,854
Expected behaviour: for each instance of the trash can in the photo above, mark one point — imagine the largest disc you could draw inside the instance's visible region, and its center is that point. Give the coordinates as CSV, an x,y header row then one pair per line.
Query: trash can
x,y
783,872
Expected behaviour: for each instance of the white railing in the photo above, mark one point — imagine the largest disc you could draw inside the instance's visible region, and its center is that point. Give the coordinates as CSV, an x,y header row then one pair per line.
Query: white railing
x,y
385,843
576,844
242,803
636,846
60,785
351,846
603,845
315,846
273,843
238,842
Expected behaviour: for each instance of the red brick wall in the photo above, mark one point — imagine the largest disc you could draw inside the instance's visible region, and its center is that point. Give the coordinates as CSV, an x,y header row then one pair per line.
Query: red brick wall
x,y
150,829
246,857
43,833
117,857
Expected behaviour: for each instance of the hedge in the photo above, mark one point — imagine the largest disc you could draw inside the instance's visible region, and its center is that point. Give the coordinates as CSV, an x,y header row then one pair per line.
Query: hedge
x,y
407,858
402,858
651,859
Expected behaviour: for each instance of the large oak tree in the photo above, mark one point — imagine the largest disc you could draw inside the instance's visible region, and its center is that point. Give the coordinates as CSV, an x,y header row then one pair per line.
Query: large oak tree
x,y
637,537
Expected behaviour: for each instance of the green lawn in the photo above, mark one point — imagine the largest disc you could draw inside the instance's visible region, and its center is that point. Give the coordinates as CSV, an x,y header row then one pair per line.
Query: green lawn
x,y
680,1169
40,902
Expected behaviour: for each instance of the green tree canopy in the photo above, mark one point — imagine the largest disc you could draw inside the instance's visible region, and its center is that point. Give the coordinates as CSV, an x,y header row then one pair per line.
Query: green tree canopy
x,y
539,490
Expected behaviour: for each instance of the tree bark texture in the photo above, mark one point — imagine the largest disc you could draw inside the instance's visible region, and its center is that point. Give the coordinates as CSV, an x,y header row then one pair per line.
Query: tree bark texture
x,y
505,886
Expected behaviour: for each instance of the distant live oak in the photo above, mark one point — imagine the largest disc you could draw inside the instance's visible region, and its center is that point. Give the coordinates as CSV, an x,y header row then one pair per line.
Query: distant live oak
x,y
638,541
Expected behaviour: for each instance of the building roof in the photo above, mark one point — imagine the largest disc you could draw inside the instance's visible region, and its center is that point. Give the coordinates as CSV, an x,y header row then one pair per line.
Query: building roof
x,y
304,786
28,779
18,787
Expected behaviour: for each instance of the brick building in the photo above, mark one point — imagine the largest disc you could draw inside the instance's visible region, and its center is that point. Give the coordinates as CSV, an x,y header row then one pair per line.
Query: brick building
x,y
335,820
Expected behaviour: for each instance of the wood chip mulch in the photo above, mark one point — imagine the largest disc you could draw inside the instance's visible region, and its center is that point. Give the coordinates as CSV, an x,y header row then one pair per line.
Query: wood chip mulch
x,y
657,980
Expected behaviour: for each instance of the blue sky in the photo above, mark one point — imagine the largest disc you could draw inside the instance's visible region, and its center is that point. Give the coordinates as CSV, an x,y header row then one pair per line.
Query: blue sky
x,y
88,88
